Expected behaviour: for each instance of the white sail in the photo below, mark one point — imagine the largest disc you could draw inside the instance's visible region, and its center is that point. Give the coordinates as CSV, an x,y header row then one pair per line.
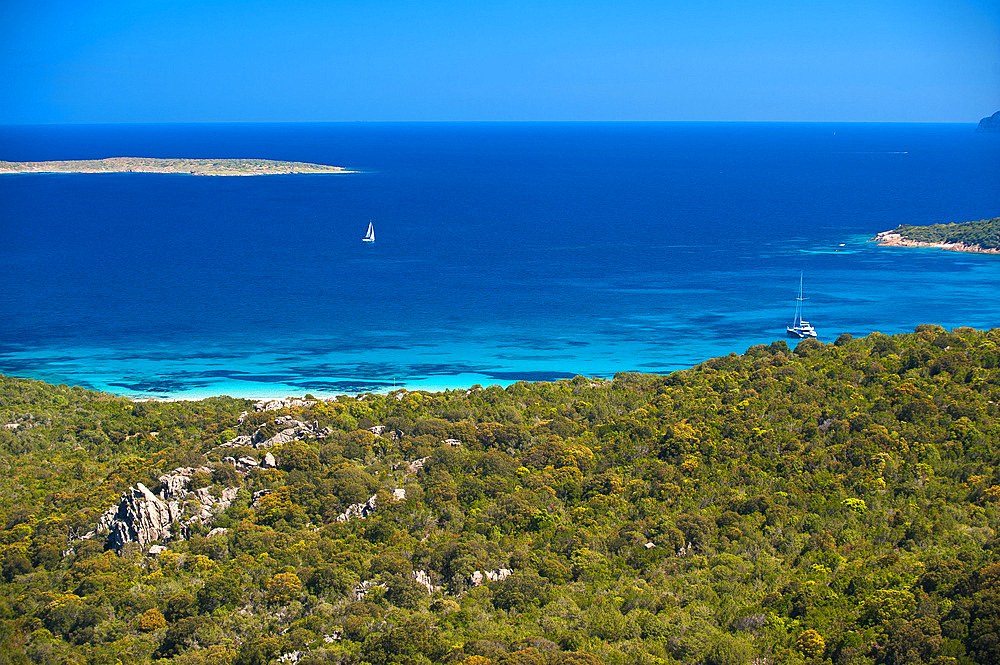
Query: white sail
x,y
800,327
370,235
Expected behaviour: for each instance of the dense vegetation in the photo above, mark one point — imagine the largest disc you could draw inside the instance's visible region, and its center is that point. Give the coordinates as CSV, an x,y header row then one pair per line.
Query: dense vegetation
x,y
984,233
833,504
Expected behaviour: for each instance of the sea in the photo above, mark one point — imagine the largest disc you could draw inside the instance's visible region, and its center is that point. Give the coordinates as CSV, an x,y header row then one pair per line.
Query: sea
x,y
504,251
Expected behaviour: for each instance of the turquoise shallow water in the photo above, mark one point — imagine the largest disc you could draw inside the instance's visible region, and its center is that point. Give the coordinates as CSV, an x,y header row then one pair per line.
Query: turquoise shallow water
x,y
505,251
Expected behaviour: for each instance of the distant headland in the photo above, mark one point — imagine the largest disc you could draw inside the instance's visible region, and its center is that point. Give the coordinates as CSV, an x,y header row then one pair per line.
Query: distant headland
x,y
981,236
230,167
990,123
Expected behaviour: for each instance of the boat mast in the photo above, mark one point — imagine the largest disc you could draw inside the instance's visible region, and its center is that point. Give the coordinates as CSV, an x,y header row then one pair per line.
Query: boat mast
x,y
798,303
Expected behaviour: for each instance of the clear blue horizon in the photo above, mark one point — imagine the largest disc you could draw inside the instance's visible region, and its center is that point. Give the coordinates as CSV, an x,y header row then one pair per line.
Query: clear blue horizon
x,y
385,60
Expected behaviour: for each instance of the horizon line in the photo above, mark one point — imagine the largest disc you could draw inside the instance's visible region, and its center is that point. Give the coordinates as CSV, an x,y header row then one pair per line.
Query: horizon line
x,y
386,122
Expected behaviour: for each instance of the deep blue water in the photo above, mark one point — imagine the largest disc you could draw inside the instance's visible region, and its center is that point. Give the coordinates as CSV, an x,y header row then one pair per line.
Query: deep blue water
x,y
505,251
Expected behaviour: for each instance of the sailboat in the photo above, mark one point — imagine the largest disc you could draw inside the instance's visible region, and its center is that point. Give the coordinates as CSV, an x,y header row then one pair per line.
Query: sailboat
x,y
370,235
800,327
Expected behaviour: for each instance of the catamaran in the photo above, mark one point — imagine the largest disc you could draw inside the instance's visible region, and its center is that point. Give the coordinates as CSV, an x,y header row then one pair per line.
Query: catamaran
x,y
800,327
370,235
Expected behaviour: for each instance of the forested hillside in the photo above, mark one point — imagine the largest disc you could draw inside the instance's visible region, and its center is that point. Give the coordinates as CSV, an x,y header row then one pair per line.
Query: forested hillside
x,y
832,503
983,234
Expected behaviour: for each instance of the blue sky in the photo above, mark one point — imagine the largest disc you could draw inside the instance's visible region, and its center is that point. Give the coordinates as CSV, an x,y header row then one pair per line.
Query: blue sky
x,y
375,60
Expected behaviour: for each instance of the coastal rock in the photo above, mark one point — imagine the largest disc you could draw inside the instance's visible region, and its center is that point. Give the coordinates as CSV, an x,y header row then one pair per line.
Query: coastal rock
x,y
358,510
279,439
424,579
289,429
247,463
141,517
144,517
363,510
990,123
416,465
498,575
174,482
244,465
240,441
362,589
895,239
269,461
278,404
21,422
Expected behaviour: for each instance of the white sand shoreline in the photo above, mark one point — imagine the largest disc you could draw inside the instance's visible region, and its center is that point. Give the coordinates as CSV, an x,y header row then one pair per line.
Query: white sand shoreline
x,y
318,395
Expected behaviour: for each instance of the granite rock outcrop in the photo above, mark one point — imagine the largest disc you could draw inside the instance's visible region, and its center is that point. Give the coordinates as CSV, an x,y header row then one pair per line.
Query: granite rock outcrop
x,y
423,578
144,517
363,510
289,429
279,404
498,575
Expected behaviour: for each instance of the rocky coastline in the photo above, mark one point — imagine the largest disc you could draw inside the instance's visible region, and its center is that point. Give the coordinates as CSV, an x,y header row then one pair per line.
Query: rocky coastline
x,y
895,239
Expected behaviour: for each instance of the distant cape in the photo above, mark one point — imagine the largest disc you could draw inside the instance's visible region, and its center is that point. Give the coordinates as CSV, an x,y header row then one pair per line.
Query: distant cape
x,y
990,124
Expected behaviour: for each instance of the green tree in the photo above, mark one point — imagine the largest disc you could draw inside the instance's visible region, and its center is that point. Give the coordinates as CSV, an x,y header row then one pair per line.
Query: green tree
x,y
729,650
218,591
283,588
405,644
983,642
152,619
810,643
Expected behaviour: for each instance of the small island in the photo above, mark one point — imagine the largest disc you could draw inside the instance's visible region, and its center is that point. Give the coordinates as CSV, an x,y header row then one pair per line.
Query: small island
x,y
982,236
225,167
990,123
